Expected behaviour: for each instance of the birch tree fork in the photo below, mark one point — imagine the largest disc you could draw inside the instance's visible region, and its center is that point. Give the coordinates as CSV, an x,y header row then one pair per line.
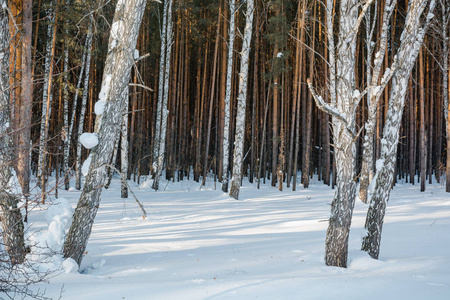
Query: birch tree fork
x,y
411,41
238,155
344,102
119,61
10,215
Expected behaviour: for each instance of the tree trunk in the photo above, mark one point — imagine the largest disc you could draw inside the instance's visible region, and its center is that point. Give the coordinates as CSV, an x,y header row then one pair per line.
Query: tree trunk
x,y
226,126
238,155
83,106
121,46
412,39
10,216
165,110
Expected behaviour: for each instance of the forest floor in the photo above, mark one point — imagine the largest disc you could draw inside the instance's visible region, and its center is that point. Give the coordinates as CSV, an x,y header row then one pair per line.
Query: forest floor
x,y
201,244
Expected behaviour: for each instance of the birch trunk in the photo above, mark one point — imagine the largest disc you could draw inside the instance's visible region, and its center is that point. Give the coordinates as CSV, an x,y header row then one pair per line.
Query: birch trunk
x,y
74,110
238,155
124,148
445,5
83,106
165,111
226,125
119,61
65,135
10,216
373,97
47,96
162,61
411,42
344,103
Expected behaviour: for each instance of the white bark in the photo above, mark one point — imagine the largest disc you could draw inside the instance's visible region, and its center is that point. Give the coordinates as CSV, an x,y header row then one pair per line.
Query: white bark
x,y
124,147
165,111
46,94
162,61
411,41
74,110
10,216
343,104
445,6
116,77
83,105
238,155
226,125
66,116
373,96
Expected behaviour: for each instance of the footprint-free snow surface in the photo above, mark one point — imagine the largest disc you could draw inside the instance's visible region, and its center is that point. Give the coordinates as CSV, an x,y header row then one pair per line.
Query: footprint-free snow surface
x,y
201,244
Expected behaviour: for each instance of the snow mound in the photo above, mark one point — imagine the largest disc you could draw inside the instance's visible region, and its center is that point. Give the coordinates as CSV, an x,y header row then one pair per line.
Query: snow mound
x,y
360,260
46,245
70,265
89,140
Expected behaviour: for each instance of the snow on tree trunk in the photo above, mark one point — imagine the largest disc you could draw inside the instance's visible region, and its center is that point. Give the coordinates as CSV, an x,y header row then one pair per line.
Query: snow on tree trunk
x,y
10,216
83,106
47,95
162,61
116,77
165,111
238,155
226,125
124,147
411,41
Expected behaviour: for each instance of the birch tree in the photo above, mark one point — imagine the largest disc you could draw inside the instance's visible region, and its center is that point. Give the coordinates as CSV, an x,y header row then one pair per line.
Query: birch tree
x,y
412,37
124,148
374,92
163,112
47,96
10,216
344,100
226,125
83,105
119,61
238,155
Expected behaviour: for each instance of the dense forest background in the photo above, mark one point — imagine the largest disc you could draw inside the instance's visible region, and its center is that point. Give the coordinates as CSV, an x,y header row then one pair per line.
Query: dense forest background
x,y
352,92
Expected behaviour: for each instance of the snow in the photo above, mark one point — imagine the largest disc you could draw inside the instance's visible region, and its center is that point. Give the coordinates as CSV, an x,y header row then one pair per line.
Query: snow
x,y
279,54
136,54
201,244
86,165
99,107
89,140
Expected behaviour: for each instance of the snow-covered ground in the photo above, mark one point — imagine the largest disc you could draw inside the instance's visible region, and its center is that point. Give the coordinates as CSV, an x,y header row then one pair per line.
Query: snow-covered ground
x,y
201,244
